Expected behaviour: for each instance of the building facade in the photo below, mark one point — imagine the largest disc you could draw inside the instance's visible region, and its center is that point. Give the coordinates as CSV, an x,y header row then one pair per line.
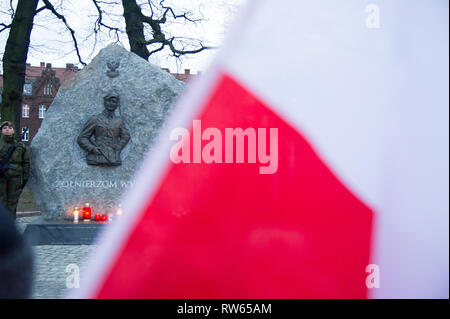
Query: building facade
x,y
40,88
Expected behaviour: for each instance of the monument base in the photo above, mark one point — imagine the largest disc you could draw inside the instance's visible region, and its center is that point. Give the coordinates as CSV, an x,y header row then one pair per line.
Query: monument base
x,y
45,232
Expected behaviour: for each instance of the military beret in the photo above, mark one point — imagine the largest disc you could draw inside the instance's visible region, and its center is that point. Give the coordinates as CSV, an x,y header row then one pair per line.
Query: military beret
x,y
7,123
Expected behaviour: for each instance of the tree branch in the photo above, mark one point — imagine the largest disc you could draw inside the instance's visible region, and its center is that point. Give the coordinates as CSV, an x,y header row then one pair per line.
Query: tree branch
x,y
176,16
11,8
177,52
40,9
150,4
137,22
50,7
99,22
4,26
157,50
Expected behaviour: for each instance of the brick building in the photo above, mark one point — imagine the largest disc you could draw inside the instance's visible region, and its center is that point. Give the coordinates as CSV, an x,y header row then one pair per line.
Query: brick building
x,y
41,85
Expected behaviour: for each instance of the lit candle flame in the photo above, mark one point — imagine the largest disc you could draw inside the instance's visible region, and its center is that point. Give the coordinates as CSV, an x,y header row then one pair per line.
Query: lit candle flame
x,y
75,215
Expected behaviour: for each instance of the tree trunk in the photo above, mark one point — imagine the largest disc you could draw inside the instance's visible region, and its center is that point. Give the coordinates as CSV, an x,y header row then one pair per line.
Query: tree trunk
x,y
14,61
135,28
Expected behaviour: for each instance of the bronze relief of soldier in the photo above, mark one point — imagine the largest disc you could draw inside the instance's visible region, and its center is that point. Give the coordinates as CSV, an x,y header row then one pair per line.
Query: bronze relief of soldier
x,y
104,135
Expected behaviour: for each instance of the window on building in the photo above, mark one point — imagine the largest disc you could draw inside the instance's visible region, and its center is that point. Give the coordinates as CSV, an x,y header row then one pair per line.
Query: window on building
x,y
25,134
25,111
48,89
27,89
42,110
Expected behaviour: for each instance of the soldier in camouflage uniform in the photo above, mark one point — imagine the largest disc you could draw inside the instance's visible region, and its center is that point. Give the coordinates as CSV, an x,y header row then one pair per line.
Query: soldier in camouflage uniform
x,y
14,171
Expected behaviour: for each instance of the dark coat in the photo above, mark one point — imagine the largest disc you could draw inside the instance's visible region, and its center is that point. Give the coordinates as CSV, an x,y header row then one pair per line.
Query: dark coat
x,y
20,159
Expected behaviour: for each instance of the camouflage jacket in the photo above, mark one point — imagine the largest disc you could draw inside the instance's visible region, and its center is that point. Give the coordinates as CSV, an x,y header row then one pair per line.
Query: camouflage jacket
x,y
19,162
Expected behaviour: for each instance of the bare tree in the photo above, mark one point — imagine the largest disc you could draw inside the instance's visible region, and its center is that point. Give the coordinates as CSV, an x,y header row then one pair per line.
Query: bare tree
x,y
49,6
146,26
146,31
16,52
14,59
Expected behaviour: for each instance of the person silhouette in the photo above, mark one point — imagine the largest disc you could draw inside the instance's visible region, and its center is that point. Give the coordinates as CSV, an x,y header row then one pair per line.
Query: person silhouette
x,y
14,167
16,260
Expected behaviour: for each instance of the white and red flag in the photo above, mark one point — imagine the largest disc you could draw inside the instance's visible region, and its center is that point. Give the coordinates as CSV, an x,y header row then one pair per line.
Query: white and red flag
x,y
333,182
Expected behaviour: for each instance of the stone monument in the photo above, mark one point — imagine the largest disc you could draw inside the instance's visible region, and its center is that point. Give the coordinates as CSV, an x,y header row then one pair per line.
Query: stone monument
x,y
97,131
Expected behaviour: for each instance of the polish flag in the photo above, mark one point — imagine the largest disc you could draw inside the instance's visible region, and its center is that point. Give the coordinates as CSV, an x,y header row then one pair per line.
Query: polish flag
x,y
346,196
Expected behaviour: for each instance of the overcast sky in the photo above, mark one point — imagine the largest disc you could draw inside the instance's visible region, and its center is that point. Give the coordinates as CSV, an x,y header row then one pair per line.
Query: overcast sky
x,y
51,42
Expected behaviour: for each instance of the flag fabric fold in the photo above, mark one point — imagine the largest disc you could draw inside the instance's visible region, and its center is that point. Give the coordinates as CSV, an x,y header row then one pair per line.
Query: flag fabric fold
x,y
316,145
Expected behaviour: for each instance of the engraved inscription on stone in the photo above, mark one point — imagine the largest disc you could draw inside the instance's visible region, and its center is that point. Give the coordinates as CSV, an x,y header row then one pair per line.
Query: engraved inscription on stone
x,y
93,184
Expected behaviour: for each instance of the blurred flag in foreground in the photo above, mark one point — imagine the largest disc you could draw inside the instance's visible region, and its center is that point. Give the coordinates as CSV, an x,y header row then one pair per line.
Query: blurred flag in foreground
x,y
339,188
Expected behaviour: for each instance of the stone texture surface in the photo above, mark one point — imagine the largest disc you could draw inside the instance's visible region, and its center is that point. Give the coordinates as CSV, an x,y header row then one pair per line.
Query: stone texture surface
x,y
51,269
60,177
50,265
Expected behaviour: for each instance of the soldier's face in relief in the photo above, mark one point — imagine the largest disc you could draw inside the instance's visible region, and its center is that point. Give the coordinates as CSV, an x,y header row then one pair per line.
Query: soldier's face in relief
x,y
7,130
111,103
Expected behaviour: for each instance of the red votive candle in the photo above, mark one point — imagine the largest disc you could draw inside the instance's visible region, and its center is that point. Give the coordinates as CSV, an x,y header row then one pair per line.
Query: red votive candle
x,y
87,211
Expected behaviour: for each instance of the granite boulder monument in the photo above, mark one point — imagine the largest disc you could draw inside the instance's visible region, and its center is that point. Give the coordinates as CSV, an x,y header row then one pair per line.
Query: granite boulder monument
x,y
97,131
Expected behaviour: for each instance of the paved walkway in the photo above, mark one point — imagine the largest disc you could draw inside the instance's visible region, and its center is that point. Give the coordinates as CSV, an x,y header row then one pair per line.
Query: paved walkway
x,y
54,264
